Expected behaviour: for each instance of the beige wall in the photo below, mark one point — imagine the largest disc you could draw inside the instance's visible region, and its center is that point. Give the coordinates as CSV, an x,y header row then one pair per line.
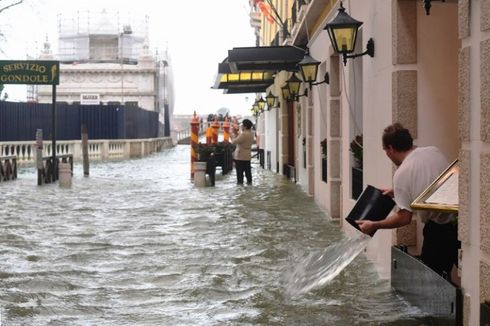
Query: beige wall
x,y
474,108
377,113
437,72
432,73
414,83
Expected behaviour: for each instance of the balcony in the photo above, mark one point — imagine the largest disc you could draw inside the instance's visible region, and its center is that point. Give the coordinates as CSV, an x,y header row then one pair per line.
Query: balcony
x,y
298,11
282,35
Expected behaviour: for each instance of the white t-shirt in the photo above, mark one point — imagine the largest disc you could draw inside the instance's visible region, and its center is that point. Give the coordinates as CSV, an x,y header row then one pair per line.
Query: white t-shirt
x,y
417,171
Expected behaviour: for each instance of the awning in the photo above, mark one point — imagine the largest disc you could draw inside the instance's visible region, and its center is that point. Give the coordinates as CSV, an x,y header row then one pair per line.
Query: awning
x,y
243,82
267,58
252,69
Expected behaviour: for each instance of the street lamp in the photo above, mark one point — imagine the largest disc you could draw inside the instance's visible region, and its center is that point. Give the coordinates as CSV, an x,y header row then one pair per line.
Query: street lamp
x,y
285,93
309,69
271,100
261,104
342,31
293,83
428,5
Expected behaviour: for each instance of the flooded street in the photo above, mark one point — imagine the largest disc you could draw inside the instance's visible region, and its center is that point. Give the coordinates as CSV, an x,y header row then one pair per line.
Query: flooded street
x,y
137,244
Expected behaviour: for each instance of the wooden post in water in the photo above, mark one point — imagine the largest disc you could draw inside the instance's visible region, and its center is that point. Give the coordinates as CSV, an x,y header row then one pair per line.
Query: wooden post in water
x,y
54,170
39,156
194,141
85,151
215,130
209,135
226,131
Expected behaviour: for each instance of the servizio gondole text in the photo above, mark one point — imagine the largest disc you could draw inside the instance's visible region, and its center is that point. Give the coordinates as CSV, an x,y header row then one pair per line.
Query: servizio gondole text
x,y
24,78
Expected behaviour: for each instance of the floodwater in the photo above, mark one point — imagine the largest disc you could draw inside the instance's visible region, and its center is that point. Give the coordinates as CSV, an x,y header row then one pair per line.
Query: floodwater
x,y
137,244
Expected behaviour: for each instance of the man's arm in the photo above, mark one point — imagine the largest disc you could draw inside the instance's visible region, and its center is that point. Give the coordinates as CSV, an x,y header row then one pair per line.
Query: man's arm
x,y
387,192
398,219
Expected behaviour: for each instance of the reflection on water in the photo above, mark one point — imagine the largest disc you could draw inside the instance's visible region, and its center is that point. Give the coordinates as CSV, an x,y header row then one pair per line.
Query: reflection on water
x,y
137,244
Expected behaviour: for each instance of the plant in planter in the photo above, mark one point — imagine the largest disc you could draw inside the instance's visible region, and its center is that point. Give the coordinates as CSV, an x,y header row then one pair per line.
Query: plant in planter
x,y
356,149
221,147
204,151
323,144
219,154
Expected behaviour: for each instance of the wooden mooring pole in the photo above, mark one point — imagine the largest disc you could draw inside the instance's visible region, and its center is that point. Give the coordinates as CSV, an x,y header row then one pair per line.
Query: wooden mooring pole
x,y
85,151
194,141
53,138
39,156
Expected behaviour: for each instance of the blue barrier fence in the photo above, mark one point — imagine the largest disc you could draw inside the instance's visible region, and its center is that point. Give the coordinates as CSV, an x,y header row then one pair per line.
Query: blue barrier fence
x,y
19,121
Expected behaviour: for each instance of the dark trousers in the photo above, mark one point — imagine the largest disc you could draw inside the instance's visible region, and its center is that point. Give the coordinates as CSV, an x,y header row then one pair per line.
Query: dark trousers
x,y
241,167
440,247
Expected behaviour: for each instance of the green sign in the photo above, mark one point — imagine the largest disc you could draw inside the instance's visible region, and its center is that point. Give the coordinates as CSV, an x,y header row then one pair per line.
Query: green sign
x,y
30,72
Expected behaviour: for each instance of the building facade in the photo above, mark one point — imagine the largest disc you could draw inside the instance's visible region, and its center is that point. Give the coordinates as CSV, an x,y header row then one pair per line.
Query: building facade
x,y
429,71
105,59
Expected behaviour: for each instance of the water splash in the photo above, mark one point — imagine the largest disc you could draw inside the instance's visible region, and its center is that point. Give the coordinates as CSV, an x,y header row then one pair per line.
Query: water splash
x,y
320,267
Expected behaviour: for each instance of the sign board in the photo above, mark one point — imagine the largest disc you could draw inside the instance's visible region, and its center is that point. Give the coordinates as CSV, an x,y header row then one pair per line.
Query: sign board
x,y
442,194
89,99
31,72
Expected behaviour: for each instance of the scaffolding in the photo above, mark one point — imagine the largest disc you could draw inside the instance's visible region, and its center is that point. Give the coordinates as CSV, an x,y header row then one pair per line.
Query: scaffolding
x,y
101,37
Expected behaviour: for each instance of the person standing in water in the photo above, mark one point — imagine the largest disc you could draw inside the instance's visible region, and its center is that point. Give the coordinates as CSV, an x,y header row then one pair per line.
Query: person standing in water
x,y
243,151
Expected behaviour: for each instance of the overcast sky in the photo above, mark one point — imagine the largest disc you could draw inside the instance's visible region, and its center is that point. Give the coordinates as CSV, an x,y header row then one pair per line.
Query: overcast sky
x,y
198,35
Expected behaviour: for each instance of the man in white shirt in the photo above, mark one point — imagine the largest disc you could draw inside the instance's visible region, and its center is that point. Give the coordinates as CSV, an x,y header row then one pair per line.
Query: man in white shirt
x,y
418,167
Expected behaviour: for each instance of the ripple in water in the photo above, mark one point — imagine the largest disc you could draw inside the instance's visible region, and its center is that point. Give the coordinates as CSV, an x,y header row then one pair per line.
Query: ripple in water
x,y
320,267
137,244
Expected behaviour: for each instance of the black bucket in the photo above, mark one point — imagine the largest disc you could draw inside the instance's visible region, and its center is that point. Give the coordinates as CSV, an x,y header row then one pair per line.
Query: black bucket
x,y
371,205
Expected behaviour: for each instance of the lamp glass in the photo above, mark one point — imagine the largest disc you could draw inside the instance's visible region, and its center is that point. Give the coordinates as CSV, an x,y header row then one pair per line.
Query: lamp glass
x,y
309,72
293,84
261,104
345,38
309,68
255,108
285,92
